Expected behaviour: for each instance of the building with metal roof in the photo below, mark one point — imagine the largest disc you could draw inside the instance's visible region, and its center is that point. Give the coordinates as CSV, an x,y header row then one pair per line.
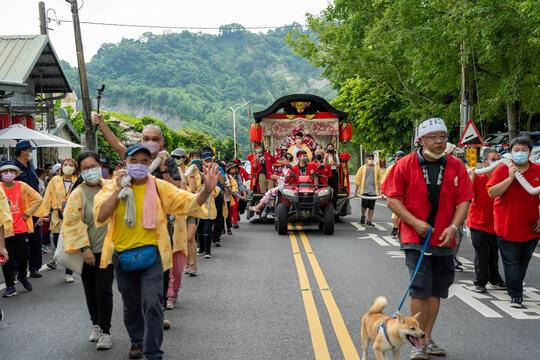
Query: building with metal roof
x,y
29,67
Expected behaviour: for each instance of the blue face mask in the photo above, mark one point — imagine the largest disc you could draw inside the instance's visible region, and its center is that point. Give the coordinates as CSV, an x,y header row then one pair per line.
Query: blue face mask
x,y
196,161
91,176
520,157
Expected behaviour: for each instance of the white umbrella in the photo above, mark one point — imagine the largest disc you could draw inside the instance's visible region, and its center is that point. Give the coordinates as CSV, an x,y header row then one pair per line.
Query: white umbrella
x,y
10,136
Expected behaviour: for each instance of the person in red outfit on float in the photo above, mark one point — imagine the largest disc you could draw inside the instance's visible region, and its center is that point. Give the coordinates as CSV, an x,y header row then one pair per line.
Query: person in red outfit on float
x,y
261,169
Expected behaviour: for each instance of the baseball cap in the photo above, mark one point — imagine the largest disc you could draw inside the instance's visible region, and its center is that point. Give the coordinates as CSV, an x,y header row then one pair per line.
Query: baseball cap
x,y
23,145
136,148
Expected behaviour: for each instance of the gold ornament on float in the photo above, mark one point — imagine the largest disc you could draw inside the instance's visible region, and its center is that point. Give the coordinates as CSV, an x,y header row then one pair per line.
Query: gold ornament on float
x,y
300,106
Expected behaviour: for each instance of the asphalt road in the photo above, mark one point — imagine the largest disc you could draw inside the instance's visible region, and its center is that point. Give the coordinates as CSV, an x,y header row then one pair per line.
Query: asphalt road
x,y
265,296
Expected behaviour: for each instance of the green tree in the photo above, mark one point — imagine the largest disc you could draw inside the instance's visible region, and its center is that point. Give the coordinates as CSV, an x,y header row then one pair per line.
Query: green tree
x,y
413,49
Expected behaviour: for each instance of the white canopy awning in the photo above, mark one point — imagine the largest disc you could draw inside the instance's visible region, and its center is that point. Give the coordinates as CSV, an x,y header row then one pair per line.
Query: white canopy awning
x,y
11,135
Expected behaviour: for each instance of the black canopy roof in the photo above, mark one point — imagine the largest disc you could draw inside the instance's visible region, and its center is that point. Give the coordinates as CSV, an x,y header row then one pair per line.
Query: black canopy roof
x,y
316,104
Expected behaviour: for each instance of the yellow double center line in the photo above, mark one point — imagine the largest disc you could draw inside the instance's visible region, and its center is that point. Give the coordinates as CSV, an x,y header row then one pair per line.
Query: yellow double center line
x,y
320,346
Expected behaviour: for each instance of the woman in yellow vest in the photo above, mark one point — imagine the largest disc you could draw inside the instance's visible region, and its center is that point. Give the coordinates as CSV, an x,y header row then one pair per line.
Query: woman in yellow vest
x,y
80,234
55,198
194,184
23,203
6,224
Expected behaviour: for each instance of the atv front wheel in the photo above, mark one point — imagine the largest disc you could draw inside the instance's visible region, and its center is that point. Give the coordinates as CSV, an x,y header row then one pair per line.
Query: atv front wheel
x,y
282,220
329,218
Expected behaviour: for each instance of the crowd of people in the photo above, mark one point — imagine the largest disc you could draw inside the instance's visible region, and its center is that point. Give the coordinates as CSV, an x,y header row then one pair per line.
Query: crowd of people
x,y
432,194
147,219
143,221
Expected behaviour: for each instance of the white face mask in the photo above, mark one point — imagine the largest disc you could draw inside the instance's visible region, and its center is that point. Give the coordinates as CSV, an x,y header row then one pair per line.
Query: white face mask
x,y
152,146
68,170
433,155
370,162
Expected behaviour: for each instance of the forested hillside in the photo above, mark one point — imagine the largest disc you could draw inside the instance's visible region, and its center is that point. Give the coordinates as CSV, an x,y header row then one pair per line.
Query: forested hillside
x,y
189,80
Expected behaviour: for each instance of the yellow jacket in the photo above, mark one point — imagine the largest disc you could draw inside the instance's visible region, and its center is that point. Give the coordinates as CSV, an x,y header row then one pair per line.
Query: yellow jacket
x,y
386,172
74,230
54,198
234,190
6,219
31,201
360,178
212,211
173,201
196,177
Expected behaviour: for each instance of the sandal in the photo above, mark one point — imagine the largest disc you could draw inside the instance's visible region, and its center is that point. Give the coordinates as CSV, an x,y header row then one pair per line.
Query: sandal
x,y
434,349
418,354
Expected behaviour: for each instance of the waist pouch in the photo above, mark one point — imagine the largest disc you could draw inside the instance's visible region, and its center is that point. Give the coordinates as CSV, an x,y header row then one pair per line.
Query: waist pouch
x,y
140,258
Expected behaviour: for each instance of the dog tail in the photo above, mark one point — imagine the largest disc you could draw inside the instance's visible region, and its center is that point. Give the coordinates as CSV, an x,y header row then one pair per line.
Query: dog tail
x,y
378,305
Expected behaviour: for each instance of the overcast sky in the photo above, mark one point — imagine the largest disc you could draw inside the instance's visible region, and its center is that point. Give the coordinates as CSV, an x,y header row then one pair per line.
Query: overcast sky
x,y
19,17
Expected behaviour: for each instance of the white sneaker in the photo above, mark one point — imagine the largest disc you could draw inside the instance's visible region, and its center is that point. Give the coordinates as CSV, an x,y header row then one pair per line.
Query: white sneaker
x,y
104,342
69,278
94,335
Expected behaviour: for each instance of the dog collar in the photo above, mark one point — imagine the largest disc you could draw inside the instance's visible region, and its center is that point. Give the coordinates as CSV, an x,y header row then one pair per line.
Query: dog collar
x,y
383,327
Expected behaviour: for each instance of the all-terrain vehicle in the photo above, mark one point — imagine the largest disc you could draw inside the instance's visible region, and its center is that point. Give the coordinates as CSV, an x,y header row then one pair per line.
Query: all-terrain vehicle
x,y
306,202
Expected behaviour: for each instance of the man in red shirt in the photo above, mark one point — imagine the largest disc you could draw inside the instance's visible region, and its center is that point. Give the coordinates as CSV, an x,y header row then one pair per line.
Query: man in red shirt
x,y
303,167
429,189
261,169
517,215
480,222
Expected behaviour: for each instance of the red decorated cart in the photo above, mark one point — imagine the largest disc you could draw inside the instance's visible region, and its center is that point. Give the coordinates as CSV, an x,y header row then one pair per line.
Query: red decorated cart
x,y
320,123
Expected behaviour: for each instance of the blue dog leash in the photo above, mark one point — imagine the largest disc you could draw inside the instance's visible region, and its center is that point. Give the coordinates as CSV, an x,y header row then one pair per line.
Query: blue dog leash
x,y
426,244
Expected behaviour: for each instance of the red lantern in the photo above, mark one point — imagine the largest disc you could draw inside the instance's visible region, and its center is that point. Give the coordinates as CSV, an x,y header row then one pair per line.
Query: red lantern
x,y
345,132
30,122
4,121
255,133
18,119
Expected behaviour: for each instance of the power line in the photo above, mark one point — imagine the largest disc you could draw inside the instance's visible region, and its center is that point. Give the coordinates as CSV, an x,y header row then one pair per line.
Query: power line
x,y
186,27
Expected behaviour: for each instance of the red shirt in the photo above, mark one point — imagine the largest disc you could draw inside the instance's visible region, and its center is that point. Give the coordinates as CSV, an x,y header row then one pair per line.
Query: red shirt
x,y
310,169
406,183
481,210
244,175
15,204
516,211
269,161
327,172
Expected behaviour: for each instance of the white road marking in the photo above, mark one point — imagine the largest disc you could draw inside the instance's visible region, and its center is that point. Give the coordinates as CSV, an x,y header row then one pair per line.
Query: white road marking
x,y
536,254
391,240
358,226
472,299
379,227
396,254
390,224
378,203
375,238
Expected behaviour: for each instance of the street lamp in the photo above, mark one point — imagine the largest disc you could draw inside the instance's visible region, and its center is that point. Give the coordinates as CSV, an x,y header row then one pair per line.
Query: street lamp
x,y
233,109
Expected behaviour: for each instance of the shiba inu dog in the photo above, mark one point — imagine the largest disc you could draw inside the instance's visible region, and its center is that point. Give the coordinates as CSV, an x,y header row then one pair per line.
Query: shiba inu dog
x,y
386,333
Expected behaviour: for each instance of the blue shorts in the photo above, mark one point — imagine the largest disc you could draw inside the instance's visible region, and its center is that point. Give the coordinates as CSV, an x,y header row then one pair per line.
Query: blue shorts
x,y
434,277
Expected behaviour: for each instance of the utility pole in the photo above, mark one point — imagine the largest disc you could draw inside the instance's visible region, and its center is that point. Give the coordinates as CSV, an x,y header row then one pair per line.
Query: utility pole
x,y
42,19
249,120
89,129
465,106
234,109
43,30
